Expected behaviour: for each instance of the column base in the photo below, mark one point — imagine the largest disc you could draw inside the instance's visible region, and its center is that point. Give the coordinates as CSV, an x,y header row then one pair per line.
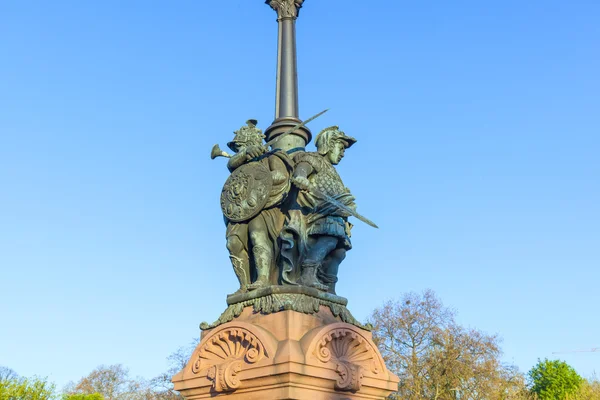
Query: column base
x,y
300,138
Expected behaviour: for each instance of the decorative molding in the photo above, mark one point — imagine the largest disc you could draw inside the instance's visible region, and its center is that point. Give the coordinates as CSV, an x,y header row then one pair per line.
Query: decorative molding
x,y
276,302
224,376
349,353
286,8
223,355
350,377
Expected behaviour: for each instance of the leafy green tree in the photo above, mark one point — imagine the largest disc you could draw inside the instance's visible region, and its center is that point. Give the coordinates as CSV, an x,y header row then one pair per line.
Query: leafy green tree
x,y
95,396
15,388
554,380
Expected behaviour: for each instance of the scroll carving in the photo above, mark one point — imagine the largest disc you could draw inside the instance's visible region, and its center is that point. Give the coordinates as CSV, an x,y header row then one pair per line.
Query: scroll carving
x,y
350,376
223,356
286,8
224,376
351,354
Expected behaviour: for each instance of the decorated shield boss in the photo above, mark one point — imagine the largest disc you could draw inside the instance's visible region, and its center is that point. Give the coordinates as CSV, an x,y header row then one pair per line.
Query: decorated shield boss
x,y
246,191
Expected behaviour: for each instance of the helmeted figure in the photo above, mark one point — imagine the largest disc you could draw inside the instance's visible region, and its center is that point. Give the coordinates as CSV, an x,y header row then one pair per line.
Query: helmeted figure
x,y
250,200
317,234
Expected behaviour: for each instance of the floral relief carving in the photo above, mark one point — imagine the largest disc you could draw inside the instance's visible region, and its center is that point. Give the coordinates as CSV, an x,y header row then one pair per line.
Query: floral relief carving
x,y
351,354
223,355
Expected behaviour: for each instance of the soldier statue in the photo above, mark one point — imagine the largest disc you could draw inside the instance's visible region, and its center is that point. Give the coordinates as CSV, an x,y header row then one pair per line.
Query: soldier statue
x,y
250,201
317,235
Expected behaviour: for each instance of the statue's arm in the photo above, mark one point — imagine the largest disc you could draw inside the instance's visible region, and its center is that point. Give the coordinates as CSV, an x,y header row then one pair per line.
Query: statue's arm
x,y
279,172
245,155
300,179
236,160
302,172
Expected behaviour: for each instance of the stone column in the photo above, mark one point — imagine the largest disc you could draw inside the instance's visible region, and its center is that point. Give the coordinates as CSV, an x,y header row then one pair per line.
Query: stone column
x,y
286,95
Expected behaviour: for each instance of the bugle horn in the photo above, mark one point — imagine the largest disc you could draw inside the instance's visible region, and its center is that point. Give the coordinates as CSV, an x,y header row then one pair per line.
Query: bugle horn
x,y
217,152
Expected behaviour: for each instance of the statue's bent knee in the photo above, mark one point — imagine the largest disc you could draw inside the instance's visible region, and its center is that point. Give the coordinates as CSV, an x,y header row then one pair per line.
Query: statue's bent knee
x,y
234,245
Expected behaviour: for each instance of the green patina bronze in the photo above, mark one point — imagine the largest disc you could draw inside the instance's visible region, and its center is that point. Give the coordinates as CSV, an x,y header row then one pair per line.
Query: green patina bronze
x,y
286,210
286,214
272,299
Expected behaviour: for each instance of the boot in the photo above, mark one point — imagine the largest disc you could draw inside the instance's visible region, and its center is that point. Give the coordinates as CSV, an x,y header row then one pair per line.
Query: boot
x,y
327,279
309,276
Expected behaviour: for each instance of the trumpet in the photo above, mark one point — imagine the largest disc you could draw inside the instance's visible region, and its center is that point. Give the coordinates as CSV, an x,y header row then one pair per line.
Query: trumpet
x,y
217,152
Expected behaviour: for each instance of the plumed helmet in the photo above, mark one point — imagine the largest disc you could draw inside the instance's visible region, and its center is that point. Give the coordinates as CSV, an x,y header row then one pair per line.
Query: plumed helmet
x,y
328,136
248,135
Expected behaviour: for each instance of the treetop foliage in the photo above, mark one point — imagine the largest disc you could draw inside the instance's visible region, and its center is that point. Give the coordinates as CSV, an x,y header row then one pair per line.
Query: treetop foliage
x,y
554,380
435,358
95,396
12,387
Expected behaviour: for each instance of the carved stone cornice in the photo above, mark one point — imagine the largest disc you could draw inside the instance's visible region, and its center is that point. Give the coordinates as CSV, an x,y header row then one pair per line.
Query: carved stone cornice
x,y
286,8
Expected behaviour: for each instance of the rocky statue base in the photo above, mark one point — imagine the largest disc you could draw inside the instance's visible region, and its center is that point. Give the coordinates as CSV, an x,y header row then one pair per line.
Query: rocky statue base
x,y
286,355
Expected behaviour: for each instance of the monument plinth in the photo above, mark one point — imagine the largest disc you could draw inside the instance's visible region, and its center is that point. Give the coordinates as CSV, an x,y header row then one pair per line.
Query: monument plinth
x,y
286,355
286,334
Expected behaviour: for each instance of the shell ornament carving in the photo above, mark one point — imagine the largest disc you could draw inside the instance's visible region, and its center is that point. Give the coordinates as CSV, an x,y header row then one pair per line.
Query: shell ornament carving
x,y
224,354
351,354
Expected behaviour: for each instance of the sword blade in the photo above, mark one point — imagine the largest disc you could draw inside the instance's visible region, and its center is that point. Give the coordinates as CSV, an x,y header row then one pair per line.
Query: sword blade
x,y
313,190
349,210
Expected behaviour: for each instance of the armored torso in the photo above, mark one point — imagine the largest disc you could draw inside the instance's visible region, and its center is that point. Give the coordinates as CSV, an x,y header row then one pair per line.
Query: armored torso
x,y
325,177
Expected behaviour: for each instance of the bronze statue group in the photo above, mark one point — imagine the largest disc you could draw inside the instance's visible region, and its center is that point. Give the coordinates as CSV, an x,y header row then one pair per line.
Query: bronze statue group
x,y
286,211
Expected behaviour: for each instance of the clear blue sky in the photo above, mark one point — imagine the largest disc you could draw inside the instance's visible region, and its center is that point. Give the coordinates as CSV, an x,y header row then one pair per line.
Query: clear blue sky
x,y
479,133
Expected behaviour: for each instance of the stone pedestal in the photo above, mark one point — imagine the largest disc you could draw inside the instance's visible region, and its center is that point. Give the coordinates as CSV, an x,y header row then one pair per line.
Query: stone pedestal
x,y
286,355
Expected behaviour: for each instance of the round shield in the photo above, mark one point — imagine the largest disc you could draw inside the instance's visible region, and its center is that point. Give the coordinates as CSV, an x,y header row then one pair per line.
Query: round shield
x,y
246,191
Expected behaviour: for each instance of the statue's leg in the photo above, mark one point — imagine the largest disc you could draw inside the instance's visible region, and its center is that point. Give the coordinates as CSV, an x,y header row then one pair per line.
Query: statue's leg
x,y
239,261
329,268
262,251
318,248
